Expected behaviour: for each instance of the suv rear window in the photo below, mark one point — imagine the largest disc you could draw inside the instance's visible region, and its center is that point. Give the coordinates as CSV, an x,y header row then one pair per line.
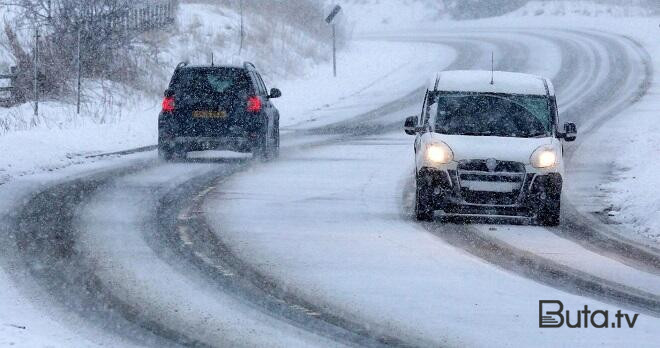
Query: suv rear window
x,y
209,81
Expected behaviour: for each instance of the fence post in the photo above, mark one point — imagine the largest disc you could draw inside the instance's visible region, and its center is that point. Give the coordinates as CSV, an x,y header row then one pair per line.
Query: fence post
x,y
79,72
36,73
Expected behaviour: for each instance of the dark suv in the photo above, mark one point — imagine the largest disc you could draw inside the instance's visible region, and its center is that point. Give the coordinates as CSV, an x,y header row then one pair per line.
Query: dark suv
x,y
218,108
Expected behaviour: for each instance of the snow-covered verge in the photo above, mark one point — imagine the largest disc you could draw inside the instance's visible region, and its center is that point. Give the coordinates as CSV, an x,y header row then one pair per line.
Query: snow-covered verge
x,y
23,325
629,145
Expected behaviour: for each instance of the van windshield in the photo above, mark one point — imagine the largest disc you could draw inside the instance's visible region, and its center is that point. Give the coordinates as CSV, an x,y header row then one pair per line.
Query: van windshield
x,y
520,116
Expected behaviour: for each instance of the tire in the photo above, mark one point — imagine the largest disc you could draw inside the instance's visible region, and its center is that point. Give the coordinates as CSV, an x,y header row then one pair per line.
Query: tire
x,y
262,150
423,202
550,214
275,151
165,154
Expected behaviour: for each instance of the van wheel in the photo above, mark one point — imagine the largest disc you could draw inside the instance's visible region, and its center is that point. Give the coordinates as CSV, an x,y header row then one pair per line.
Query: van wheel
x,y
550,213
423,202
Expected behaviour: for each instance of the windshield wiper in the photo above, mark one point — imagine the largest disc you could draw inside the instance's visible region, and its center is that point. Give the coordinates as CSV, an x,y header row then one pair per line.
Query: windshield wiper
x,y
484,134
537,135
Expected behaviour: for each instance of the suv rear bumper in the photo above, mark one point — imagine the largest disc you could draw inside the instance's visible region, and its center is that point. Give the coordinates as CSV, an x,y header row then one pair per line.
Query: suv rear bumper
x,y
448,196
238,144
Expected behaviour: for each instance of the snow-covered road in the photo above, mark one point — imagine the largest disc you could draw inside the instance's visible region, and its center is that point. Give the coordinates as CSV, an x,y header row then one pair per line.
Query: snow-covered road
x,y
318,248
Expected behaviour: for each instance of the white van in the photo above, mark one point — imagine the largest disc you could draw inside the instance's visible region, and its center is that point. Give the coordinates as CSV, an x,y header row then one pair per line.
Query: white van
x,y
488,143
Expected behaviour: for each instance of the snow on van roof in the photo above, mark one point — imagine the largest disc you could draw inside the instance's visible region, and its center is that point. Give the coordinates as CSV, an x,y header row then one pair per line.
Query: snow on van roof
x,y
479,81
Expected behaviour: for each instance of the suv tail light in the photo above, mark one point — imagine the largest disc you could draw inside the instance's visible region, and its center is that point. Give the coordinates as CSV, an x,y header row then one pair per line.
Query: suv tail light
x,y
254,104
168,104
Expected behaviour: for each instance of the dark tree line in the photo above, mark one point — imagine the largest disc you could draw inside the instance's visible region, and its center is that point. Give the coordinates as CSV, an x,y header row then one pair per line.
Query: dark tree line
x,y
106,30
472,9
306,15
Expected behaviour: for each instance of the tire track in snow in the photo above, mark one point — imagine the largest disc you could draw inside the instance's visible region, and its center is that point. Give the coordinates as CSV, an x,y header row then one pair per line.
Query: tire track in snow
x,y
46,241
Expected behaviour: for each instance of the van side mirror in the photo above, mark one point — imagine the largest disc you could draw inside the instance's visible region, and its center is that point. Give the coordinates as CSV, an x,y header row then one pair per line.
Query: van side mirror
x,y
410,127
169,93
275,93
570,131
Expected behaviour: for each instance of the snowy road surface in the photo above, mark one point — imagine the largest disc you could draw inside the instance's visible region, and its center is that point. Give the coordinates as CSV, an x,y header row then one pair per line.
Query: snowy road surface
x,y
319,248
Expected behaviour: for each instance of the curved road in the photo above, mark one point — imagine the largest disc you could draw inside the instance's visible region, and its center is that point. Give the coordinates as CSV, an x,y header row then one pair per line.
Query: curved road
x,y
128,248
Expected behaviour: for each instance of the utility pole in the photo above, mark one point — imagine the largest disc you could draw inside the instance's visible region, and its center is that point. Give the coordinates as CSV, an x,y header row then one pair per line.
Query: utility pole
x,y
334,49
330,20
36,72
79,71
240,48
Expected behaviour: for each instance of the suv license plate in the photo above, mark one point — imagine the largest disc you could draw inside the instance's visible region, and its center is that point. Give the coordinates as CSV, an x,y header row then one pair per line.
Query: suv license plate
x,y
209,114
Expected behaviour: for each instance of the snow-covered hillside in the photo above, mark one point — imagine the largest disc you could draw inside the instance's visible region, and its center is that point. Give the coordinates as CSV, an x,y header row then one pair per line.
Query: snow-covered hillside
x,y
374,15
116,117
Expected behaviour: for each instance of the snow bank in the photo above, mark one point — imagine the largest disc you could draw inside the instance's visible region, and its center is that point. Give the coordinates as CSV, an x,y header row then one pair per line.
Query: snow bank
x,y
634,193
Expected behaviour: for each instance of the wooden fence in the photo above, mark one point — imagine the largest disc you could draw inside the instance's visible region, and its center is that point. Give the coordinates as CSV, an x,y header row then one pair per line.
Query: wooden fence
x,y
8,96
150,15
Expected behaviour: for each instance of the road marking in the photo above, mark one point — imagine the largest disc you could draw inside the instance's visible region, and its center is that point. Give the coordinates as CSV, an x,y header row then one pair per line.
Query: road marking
x,y
305,310
184,215
184,235
211,263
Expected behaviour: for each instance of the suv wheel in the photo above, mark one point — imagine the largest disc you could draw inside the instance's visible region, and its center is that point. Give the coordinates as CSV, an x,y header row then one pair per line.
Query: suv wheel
x,y
275,150
262,150
423,202
165,153
550,213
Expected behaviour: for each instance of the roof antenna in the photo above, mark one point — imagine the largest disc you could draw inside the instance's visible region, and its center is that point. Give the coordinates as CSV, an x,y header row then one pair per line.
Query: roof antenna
x,y
492,68
211,58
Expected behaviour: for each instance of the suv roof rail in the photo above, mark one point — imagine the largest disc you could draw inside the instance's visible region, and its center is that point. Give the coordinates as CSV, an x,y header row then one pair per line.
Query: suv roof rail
x,y
182,64
248,65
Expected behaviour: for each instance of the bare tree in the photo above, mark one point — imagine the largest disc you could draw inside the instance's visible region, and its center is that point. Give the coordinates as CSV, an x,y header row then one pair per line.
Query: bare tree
x,y
107,31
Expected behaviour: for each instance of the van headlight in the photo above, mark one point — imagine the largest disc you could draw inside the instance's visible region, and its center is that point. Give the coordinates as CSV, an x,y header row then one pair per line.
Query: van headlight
x,y
439,153
544,157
